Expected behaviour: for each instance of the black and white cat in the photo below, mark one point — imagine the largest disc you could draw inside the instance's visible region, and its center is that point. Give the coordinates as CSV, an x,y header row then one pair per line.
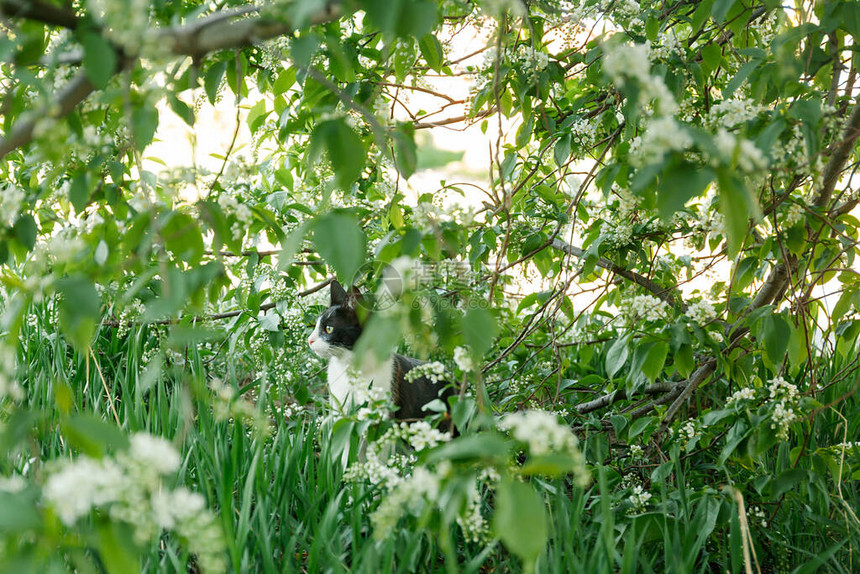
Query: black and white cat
x,y
336,332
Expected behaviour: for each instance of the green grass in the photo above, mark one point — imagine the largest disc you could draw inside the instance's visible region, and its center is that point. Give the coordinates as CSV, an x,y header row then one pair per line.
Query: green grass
x,y
284,506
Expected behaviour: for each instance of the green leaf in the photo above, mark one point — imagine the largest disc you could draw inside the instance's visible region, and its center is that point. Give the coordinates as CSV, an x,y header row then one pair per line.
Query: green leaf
x,y
92,435
639,426
303,49
520,520
562,150
787,480
99,59
776,332
80,308
116,548
340,241
344,147
616,356
414,18
18,512
257,115
720,9
144,122
737,207
25,231
740,77
679,184
654,360
212,80
553,465
405,150
79,190
486,446
684,360
183,238
181,109
431,49
479,329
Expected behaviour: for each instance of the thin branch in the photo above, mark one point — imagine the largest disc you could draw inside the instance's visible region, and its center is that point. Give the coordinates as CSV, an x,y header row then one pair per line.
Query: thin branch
x,y
658,290
223,30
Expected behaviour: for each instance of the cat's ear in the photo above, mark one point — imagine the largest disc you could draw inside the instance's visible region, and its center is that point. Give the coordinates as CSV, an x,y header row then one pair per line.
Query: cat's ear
x,y
338,295
354,296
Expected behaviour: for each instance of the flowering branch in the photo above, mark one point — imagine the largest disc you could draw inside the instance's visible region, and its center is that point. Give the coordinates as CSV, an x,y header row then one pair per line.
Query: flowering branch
x,y
218,31
658,290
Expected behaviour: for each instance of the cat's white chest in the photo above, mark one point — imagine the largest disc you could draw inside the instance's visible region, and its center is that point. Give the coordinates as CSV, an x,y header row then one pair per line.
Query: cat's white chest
x,y
347,384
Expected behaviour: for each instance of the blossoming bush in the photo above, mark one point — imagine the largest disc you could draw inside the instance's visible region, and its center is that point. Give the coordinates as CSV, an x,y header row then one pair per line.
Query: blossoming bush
x,y
644,294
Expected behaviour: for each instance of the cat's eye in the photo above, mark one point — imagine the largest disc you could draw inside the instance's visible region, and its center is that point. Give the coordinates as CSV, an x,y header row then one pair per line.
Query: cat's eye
x,y
328,329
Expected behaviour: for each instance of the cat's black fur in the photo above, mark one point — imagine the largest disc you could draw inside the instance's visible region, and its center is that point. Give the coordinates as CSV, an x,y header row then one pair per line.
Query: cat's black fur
x,y
408,397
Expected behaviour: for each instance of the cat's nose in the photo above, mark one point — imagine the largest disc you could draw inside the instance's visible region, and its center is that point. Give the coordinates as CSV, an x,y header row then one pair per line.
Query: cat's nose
x,y
311,341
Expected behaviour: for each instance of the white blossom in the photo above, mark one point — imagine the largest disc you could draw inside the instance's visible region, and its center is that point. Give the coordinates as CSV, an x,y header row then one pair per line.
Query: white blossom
x,y
662,135
645,307
701,312
463,359
640,497
433,370
745,394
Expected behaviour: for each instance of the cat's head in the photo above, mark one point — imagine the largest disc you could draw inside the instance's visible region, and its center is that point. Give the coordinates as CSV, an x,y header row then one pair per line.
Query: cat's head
x,y
338,327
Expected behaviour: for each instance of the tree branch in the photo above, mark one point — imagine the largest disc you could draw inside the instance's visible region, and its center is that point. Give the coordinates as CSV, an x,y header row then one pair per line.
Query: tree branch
x,y
229,29
69,97
39,11
658,290
622,394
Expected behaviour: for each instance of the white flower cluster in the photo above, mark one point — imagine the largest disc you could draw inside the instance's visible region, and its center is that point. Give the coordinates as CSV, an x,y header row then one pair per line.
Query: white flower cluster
x,y
13,484
745,394
434,371
10,207
8,370
738,151
532,58
645,307
472,521
408,496
779,388
733,112
668,45
617,234
623,9
639,499
784,395
793,215
662,135
688,432
463,359
627,202
625,62
636,451
583,132
701,312
125,22
420,435
759,514
244,216
130,486
374,469
541,432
